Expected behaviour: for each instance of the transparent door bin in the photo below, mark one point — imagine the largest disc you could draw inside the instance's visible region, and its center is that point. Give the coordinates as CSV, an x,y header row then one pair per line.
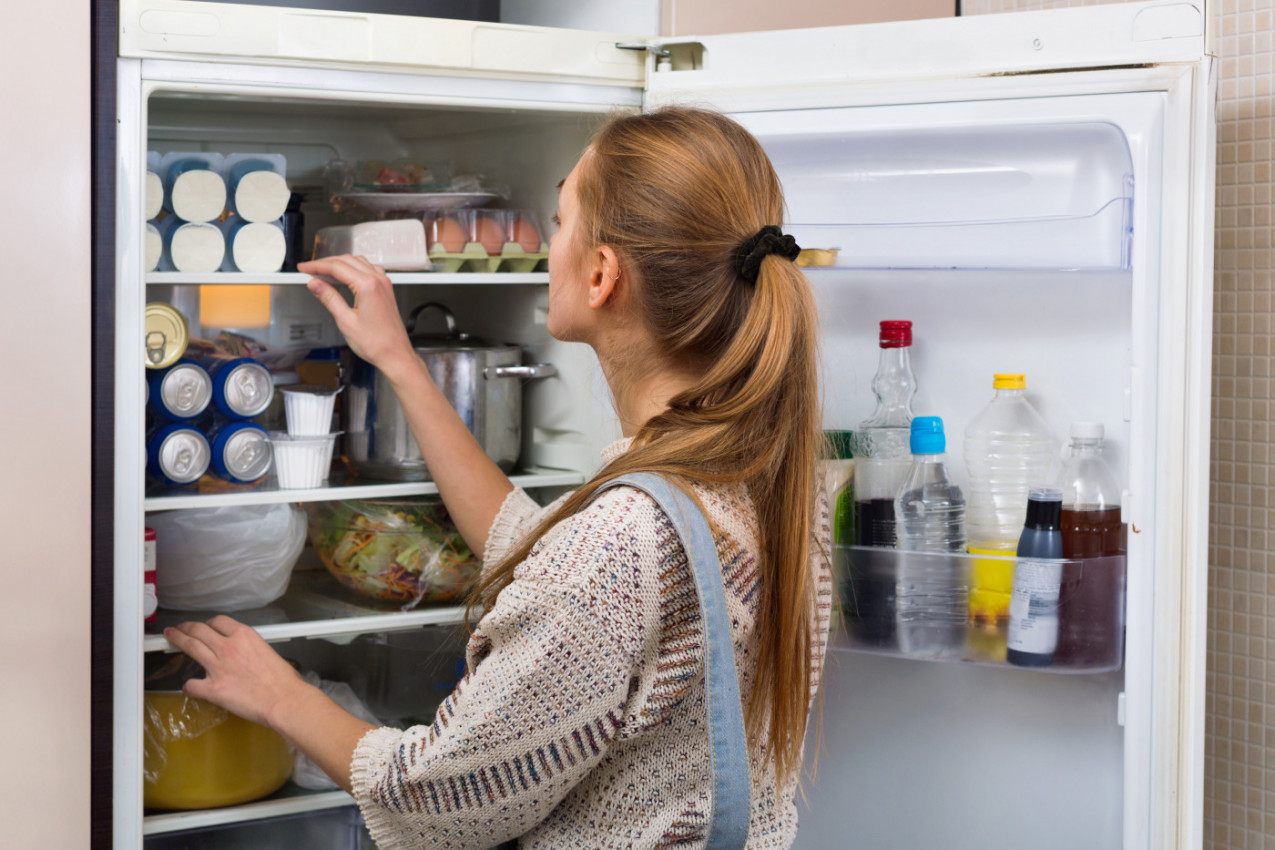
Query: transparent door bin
x,y
1043,196
955,607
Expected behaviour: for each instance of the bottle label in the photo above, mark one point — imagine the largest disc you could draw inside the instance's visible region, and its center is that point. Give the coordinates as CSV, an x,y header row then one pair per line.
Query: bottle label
x,y
1033,606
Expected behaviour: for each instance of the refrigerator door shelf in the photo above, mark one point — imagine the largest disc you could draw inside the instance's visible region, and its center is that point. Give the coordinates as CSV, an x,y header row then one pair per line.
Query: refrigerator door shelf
x,y
936,606
996,193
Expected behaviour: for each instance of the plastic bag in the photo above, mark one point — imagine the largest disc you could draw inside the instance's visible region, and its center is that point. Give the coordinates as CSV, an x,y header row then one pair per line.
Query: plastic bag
x,y
304,771
226,559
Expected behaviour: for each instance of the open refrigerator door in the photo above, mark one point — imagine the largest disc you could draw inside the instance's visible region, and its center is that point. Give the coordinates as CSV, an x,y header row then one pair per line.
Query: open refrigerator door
x,y
1034,193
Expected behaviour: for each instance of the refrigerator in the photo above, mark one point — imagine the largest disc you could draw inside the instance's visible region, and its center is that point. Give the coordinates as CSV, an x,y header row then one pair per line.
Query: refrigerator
x,y
1034,191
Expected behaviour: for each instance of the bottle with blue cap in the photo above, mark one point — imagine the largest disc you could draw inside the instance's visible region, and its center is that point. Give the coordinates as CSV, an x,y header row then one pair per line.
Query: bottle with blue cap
x,y
930,591
930,508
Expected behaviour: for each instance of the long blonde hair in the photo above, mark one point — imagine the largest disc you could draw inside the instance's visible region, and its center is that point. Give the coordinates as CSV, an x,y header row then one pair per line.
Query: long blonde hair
x,y
675,193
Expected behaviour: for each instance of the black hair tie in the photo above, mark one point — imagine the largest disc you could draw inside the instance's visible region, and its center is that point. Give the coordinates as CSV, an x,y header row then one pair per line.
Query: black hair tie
x,y
769,240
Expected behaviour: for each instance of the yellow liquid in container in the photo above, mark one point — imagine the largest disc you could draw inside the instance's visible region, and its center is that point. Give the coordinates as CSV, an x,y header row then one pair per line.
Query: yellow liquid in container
x,y
991,584
199,756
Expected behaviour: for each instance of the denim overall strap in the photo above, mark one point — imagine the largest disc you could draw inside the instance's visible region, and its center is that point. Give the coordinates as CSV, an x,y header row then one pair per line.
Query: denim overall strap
x,y
728,821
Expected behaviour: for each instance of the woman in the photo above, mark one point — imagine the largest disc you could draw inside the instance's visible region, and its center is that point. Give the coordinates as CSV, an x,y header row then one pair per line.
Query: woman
x,y
583,719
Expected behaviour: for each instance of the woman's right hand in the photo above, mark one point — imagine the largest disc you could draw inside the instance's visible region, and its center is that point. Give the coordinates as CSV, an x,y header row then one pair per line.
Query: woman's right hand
x,y
372,327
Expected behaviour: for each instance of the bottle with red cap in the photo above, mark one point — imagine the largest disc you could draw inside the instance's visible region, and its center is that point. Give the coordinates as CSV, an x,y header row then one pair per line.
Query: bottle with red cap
x,y
883,457
883,454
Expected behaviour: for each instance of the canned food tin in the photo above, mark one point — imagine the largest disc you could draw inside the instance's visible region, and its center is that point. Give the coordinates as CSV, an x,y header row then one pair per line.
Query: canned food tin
x,y
242,387
166,335
240,451
181,392
150,599
177,454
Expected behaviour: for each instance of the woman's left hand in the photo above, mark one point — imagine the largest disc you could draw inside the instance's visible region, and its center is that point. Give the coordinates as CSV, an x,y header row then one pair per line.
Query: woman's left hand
x,y
245,675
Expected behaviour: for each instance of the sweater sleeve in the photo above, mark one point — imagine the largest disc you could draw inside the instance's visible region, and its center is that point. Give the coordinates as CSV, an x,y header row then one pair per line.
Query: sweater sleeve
x,y
550,670
517,516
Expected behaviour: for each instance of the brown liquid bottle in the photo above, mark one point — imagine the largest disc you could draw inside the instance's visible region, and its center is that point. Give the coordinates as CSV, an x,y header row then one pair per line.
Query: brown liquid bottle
x,y
1091,598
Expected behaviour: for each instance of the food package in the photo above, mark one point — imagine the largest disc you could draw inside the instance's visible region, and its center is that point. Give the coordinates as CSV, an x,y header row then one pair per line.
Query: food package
x,y
397,245
254,247
228,558
401,550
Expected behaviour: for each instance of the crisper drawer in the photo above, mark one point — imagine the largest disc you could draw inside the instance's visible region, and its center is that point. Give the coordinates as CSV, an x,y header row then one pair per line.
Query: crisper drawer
x,y
335,829
1063,616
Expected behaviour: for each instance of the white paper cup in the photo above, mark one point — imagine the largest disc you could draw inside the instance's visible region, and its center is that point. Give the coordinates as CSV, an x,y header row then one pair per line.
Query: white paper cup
x,y
301,462
308,410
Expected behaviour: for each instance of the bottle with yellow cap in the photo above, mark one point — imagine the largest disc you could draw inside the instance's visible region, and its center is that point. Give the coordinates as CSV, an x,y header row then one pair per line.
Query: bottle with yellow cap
x,y
1008,449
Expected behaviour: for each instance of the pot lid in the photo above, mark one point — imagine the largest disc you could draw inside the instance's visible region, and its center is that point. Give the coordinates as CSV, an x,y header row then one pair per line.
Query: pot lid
x,y
453,340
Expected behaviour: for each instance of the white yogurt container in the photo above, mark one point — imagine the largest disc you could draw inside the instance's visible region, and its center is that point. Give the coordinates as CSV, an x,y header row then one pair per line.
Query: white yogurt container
x,y
302,463
308,409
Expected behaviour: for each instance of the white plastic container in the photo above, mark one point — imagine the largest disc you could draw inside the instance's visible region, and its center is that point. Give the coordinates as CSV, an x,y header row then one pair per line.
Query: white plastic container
x,y
301,463
308,409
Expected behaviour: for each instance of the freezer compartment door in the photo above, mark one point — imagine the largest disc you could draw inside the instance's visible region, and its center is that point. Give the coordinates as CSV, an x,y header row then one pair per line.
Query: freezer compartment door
x,y
182,29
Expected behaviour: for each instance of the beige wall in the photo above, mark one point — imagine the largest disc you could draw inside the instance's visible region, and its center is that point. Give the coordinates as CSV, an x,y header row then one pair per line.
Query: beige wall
x,y
1239,784
44,426
705,17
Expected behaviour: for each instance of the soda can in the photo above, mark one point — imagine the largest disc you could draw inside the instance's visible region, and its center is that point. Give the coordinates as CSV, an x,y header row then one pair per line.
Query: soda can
x,y
241,451
242,387
177,453
150,599
166,335
181,392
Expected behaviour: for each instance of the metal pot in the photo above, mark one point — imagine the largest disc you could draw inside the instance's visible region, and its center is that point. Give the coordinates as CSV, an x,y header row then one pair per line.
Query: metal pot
x,y
482,381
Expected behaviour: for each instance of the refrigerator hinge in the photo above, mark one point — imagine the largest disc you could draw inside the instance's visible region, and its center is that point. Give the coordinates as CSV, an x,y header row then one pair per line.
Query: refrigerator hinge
x,y
663,58
1120,709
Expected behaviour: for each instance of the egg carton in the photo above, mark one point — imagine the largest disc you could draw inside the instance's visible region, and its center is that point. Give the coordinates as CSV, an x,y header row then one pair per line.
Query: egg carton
x,y
474,258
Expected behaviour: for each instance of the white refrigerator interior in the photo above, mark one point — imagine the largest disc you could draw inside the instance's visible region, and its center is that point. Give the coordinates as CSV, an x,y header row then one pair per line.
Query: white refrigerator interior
x,y
1024,218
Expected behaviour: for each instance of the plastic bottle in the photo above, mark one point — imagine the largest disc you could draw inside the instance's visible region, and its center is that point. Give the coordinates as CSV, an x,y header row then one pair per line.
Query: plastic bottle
x,y
839,485
1008,448
930,508
1091,606
881,446
930,595
1033,607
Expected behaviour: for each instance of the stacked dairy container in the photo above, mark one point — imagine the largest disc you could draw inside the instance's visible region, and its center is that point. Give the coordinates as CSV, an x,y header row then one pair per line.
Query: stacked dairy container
x,y
224,213
303,453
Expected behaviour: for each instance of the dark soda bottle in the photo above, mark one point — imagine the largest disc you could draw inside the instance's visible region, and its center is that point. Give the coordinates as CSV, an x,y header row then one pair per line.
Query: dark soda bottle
x,y
1091,602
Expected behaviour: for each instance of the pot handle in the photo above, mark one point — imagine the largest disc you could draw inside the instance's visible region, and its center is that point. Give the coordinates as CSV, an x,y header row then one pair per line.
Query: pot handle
x,y
421,308
536,370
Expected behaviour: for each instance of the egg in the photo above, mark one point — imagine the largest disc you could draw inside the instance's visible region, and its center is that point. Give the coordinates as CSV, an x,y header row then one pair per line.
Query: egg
x,y
489,233
447,233
525,233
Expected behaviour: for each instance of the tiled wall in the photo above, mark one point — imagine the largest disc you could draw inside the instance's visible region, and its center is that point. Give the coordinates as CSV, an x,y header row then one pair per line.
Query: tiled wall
x,y
1239,808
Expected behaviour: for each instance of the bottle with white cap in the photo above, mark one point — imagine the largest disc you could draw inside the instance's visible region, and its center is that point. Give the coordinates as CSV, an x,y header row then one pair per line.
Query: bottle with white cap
x,y
1095,540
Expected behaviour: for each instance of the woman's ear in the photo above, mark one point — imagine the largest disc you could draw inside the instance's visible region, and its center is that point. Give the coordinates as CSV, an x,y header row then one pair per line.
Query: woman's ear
x,y
604,277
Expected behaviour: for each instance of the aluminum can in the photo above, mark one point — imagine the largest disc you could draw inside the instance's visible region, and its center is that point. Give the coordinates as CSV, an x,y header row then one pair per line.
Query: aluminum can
x,y
150,599
181,392
242,387
177,453
166,335
241,451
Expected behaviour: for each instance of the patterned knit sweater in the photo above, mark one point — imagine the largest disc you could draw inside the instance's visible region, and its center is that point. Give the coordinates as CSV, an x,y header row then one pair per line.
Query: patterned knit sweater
x,y
582,723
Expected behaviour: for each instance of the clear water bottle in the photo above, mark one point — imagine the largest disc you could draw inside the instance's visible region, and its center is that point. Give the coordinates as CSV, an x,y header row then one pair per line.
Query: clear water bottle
x,y
882,454
1094,539
1008,448
930,508
930,593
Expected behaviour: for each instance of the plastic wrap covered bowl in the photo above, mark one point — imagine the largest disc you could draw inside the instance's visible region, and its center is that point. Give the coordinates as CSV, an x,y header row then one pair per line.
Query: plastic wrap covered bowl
x,y
402,550
197,755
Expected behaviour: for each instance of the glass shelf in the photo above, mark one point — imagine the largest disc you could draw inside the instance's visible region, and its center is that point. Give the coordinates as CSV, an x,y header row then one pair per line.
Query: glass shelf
x,y
315,606
339,487
298,279
956,608
289,800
